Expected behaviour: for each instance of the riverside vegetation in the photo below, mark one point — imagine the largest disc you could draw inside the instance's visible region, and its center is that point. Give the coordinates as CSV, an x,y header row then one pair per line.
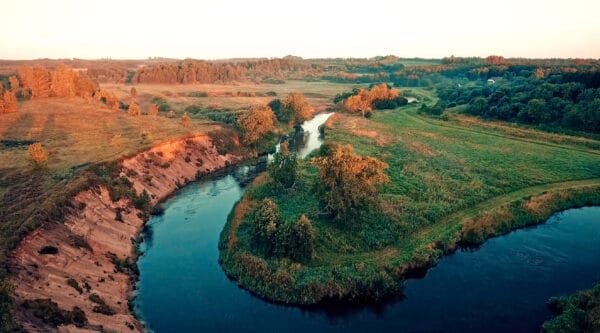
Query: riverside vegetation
x,y
434,183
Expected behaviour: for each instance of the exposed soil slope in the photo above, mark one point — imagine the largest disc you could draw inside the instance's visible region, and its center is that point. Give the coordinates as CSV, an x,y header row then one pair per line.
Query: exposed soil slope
x,y
93,245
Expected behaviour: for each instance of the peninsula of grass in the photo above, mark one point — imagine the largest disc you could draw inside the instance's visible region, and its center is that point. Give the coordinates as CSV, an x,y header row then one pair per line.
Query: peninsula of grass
x,y
450,184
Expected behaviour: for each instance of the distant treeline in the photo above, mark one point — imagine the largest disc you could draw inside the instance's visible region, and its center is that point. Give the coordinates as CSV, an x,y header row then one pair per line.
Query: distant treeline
x,y
570,100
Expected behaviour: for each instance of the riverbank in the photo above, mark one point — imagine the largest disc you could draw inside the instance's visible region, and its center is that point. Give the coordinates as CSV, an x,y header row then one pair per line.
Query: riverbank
x,y
449,186
93,251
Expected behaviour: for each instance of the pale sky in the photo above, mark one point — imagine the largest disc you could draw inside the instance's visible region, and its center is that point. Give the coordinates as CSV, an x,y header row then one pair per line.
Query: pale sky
x,y
128,29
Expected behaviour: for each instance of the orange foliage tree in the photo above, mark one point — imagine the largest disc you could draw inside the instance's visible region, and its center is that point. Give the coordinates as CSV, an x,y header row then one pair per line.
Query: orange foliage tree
x,y
35,79
63,81
8,102
363,101
255,123
300,108
348,181
37,154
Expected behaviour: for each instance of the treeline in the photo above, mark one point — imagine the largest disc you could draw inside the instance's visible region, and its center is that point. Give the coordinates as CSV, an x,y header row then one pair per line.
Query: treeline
x,y
199,71
63,81
570,101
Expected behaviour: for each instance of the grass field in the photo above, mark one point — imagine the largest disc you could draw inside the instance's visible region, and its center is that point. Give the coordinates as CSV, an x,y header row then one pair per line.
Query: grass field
x,y
79,133
451,181
231,96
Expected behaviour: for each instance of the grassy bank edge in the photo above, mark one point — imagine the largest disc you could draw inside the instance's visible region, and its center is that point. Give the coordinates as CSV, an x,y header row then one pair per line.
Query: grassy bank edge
x,y
471,227
579,312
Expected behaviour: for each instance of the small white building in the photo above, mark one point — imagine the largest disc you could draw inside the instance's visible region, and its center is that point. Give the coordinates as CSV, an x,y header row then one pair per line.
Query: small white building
x,y
491,81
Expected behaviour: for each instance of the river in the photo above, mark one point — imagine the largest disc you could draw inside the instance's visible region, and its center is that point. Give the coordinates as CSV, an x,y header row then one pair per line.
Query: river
x,y
501,286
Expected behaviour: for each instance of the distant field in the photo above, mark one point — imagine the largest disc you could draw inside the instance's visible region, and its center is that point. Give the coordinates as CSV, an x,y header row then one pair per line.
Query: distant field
x,y
318,94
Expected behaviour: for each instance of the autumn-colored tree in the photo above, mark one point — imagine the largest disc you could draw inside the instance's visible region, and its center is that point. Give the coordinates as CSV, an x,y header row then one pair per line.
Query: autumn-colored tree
x,y
256,122
153,110
134,109
9,102
84,86
36,79
359,103
14,83
301,110
63,81
495,60
37,154
348,181
186,121
133,92
266,221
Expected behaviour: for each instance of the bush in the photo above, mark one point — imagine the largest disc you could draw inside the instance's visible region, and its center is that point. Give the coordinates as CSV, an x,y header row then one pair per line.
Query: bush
x,y
75,285
101,306
37,154
49,312
296,240
283,169
266,221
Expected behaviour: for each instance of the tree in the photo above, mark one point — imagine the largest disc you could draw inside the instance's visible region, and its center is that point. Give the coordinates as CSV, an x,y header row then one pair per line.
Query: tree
x,y
283,168
299,107
37,154
361,102
266,222
133,92
9,102
153,110
347,181
63,81
478,106
296,240
134,109
186,120
36,79
256,122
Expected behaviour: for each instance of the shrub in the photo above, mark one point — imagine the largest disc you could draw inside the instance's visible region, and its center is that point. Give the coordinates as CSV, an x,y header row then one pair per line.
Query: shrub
x,y
348,181
255,123
134,109
49,312
283,169
186,121
37,154
296,240
101,306
75,285
266,221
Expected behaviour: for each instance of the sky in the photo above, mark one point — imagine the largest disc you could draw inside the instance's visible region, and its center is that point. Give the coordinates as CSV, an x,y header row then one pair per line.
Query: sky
x,y
131,29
